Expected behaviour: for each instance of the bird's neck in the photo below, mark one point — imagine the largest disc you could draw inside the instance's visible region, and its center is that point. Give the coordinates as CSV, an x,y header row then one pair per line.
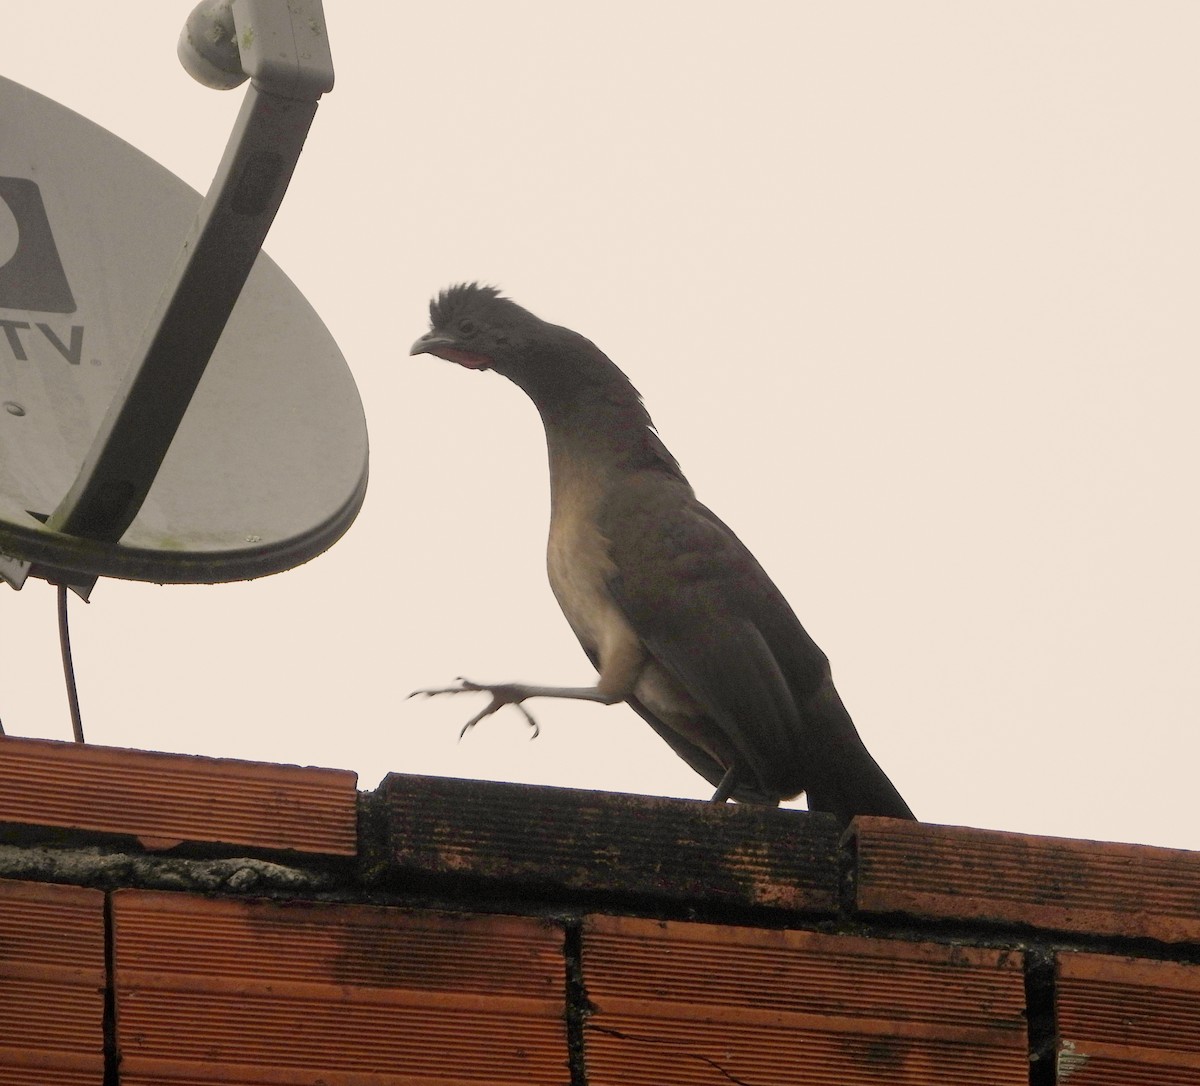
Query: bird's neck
x,y
597,429
594,441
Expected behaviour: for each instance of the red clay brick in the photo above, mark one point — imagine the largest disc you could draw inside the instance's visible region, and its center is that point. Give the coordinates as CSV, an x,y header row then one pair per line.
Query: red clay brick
x,y
1088,887
1127,1021
51,985
249,992
548,840
701,1005
166,799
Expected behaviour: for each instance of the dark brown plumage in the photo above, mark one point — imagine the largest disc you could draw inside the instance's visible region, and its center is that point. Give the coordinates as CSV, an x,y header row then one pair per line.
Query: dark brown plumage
x,y
679,619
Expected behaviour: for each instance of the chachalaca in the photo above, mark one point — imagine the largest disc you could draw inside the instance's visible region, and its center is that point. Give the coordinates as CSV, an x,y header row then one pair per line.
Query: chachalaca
x,y
677,616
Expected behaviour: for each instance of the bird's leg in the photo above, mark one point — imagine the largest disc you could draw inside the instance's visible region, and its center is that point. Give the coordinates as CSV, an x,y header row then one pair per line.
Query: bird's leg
x,y
727,785
515,693
621,662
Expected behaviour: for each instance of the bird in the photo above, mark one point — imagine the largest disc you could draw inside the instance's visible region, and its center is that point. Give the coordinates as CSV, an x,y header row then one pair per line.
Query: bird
x,y
677,616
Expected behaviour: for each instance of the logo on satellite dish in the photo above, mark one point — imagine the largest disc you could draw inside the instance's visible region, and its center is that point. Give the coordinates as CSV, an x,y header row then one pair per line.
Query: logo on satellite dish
x,y
31,271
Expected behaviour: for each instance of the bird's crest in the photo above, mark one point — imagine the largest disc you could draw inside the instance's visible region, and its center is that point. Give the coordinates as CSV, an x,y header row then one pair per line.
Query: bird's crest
x,y
460,299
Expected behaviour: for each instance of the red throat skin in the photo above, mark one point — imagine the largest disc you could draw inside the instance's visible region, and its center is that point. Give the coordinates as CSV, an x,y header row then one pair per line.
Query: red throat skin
x,y
464,358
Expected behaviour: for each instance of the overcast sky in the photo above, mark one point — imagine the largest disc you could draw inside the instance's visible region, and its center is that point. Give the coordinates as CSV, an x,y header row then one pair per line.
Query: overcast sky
x,y
909,289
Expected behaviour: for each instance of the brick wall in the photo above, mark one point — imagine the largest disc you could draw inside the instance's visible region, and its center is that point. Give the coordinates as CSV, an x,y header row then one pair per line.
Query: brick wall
x,y
179,920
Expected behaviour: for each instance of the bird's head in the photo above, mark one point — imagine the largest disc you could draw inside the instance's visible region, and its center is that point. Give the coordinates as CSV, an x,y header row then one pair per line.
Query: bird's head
x,y
475,327
561,371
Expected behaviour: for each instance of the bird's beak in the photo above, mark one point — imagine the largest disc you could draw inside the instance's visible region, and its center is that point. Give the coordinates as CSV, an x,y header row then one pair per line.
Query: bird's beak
x,y
444,346
430,342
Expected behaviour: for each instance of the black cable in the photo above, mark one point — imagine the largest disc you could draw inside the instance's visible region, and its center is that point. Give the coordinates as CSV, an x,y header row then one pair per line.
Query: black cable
x,y
64,640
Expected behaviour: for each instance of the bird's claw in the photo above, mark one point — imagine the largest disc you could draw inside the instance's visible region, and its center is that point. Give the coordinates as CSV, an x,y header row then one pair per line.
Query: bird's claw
x,y
533,724
464,685
502,694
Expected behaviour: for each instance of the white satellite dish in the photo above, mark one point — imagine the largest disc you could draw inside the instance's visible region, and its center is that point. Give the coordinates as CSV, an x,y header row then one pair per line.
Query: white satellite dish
x,y
171,408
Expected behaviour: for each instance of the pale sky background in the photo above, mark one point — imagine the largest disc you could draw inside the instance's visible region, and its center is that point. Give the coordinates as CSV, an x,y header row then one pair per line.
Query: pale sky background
x,y
909,289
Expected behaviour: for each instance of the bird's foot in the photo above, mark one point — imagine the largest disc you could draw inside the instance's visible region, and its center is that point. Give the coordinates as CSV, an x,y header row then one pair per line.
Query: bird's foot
x,y
727,785
502,694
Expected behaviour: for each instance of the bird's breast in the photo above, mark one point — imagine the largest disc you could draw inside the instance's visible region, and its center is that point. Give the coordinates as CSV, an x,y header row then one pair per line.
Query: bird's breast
x,y
579,567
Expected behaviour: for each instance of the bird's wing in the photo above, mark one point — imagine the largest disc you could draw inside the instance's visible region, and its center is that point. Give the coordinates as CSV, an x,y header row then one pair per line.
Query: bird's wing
x,y
690,590
710,615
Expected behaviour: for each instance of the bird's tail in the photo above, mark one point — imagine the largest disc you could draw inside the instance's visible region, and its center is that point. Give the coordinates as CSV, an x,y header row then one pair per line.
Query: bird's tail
x,y
841,775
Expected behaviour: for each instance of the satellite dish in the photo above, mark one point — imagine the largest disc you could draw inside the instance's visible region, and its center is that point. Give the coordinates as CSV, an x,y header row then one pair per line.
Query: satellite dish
x,y
171,408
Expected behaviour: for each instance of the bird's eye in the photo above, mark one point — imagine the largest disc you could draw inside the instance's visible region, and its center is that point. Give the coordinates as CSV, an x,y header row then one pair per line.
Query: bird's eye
x,y
466,326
